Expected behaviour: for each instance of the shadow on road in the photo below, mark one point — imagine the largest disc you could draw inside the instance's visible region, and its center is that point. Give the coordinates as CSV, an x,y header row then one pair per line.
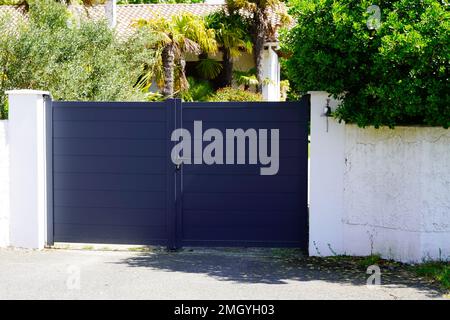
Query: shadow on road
x,y
268,266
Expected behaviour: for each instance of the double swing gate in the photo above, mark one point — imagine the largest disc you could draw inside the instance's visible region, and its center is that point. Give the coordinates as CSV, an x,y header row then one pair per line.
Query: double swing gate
x,y
117,174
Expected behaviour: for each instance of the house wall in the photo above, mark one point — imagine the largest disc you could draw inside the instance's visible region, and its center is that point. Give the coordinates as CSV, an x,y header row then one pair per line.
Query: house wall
x,y
271,70
379,190
4,184
244,62
271,74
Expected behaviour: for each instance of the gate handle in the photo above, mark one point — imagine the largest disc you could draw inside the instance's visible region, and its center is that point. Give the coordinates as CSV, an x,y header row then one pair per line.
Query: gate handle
x,y
180,161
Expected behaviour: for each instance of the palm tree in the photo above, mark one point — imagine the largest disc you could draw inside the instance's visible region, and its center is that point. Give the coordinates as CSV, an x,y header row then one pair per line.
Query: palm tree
x,y
232,34
177,36
265,17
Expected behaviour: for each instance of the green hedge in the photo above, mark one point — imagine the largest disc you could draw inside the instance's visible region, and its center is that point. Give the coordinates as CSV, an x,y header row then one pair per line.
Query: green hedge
x,y
234,94
396,74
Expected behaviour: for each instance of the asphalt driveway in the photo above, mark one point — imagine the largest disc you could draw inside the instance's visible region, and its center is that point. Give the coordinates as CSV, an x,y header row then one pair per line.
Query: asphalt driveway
x,y
197,274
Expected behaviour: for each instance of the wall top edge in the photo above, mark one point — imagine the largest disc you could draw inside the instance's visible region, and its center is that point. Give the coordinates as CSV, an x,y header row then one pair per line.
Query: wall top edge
x,y
27,92
399,126
318,92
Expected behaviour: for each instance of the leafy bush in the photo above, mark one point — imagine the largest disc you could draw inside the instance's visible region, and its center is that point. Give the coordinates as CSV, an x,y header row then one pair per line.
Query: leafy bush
x,y
391,75
73,60
232,94
246,78
199,90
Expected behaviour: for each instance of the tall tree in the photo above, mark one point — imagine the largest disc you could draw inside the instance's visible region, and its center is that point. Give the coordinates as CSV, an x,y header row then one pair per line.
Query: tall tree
x,y
177,36
265,17
232,34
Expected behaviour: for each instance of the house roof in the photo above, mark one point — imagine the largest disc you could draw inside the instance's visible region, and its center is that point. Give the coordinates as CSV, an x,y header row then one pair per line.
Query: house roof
x,y
127,13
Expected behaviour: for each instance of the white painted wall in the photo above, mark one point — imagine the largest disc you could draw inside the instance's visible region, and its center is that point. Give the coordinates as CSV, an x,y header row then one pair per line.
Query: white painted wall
x,y
379,190
271,73
326,179
26,134
111,12
244,62
4,184
397,192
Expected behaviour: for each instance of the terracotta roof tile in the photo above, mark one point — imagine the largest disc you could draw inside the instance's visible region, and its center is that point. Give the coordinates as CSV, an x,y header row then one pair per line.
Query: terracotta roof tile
x,y
126,14
16,13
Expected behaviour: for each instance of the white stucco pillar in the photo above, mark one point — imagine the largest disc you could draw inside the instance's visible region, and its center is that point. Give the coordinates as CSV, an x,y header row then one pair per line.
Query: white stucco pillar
x,y
271,73
27,147
4,184
111,12
327,164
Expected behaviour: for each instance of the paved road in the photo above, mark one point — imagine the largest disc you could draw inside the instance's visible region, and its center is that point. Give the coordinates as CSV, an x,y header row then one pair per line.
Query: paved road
x,y
198,274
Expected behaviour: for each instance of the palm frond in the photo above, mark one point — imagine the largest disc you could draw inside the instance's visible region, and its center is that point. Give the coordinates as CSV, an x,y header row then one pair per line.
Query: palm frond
x,y
209,68
190,46
232,32
246,78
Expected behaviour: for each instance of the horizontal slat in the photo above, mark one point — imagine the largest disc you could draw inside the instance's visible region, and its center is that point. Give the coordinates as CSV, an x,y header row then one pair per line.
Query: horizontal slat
x,y
287,131
244,243
193,218
243,104
235,115
110,199
286,148
244,233
108,104
122,182
110,234
244,202
242,184
102,129
110,216
114,147
287,166
109,164
103,111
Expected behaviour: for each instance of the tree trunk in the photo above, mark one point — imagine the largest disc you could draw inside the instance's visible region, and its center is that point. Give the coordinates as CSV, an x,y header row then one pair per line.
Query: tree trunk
x,y
184,85
227,68
258,47
168,58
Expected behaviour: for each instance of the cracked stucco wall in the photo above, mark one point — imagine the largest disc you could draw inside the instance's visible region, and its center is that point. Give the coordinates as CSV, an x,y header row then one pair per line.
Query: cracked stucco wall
x,y
378,190
396,198
4,184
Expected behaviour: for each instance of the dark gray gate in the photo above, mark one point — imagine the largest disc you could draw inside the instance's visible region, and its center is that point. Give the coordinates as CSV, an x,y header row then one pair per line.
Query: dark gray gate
x,y
233,205
111,172
114,181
